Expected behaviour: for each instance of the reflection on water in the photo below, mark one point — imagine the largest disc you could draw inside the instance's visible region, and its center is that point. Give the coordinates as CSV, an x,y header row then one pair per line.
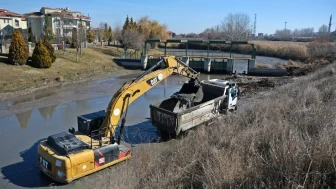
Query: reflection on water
x,y
24,118
47,112
29,97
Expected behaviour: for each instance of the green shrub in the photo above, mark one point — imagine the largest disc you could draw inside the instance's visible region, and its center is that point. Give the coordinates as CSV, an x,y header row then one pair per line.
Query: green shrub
x,y
41,57
18,50
50,49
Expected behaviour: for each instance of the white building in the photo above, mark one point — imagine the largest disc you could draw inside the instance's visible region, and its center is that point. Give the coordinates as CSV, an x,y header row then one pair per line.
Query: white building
x,y
62,20
10,21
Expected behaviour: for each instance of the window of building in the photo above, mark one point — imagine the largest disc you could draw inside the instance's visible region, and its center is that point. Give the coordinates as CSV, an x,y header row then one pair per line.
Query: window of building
x,y
17,24
8,21
4,20
57,23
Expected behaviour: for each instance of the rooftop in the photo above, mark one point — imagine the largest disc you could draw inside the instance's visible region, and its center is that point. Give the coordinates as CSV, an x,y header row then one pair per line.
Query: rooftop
x,y
6,13
66,12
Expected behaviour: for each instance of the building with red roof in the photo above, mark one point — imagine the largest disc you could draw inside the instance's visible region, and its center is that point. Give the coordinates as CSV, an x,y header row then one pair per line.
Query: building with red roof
x,y
62,21
10,21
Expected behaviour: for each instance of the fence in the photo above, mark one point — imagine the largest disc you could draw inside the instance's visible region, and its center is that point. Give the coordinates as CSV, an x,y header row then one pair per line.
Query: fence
x,y
130,55
196,53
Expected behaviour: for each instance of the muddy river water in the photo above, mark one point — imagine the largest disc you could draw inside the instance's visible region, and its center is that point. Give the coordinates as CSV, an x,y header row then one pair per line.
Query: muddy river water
x,y
26,120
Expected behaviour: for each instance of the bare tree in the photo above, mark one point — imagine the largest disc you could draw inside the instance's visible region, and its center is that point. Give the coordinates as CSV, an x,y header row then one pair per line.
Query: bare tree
x,y
3,33
117,32
235,27
304,33
323,31
75,41
101,33
62,27
284,34
80,35
131,39
209,34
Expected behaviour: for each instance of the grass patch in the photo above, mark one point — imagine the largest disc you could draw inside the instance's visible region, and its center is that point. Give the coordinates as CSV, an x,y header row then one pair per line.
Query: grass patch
x,y
93,62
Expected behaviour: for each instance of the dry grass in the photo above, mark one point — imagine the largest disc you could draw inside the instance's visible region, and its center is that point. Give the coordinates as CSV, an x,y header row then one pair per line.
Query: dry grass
x,y
93,62
288,50
261,65
285,140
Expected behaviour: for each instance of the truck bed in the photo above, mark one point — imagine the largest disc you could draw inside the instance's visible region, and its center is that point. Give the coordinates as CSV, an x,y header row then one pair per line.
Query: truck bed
x,y
167,118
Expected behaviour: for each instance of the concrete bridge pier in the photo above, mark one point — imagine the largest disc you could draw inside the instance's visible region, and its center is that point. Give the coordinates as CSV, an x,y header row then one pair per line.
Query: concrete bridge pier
x,y
207,64
185,59
144,59
251,64
229,66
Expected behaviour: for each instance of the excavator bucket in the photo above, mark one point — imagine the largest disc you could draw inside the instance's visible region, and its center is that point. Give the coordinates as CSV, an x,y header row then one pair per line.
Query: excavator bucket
x,y
193,89
189,95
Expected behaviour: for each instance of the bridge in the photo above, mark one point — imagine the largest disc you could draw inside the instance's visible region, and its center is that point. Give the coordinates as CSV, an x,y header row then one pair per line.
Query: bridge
x,y
204,60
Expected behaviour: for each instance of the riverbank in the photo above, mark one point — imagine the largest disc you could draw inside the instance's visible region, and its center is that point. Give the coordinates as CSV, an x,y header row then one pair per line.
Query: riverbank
x,y
94,63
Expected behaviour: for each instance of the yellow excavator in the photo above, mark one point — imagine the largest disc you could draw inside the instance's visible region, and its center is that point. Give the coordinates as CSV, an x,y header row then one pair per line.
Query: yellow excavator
x,y
70,155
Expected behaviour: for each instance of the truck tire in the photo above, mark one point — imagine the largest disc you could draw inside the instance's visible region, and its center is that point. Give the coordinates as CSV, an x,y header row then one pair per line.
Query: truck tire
x,y
163,135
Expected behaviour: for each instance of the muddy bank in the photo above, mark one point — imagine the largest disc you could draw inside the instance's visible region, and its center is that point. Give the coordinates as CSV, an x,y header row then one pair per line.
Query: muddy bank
x,y
67,84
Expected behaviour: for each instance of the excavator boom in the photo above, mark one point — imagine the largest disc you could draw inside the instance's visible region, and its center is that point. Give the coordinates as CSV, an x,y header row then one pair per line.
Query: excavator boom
x,y
134,89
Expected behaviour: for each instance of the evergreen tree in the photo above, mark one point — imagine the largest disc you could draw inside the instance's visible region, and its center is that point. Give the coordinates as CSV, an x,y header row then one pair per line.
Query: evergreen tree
x,y
126,24
131,24
110,34
135,26
140,29
90,36
31,36
47,29
41,57
18,50
50,49
74,38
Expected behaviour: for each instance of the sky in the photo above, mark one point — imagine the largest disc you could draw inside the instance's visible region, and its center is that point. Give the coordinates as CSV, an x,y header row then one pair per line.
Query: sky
x,y
193,16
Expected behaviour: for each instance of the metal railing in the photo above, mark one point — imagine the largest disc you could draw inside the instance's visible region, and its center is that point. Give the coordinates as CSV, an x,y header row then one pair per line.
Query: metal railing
x,y
130,55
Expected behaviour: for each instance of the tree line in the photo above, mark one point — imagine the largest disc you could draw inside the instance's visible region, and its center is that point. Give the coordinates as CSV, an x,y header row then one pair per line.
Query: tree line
x,y
308,33
236,27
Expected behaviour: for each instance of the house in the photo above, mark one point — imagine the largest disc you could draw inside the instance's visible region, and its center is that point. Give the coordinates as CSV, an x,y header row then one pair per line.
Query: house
x,y
62,21
10,21
97,33
171,34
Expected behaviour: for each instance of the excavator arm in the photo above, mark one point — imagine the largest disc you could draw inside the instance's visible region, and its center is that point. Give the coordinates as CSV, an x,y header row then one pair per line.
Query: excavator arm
x,y
132,90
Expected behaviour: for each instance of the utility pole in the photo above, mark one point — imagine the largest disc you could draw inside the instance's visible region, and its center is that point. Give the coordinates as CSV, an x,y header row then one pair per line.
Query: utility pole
x,y
329,24
255,24
285,25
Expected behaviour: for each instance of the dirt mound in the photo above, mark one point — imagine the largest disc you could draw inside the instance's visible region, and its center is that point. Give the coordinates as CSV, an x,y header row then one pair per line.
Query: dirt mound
x,y
302,68
250,85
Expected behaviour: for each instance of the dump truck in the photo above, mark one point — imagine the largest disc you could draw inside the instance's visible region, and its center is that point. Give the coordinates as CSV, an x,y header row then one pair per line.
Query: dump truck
x,y
179,113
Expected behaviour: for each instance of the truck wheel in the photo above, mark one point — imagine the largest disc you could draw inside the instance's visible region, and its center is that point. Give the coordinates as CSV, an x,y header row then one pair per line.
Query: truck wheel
x,y
164,135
